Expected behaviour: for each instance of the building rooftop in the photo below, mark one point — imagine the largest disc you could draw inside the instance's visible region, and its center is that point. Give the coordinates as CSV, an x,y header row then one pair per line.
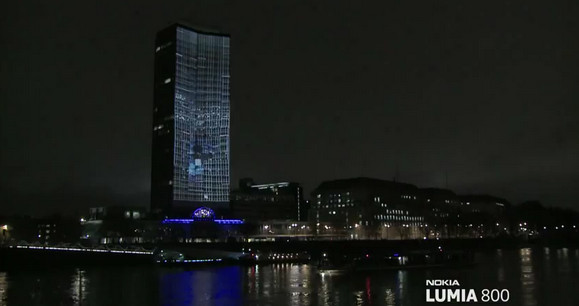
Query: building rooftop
x,y
213,30
437,191
363,182
483,197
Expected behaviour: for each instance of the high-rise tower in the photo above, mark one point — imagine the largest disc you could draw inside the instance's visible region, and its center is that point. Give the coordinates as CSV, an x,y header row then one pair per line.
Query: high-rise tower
x,y
190,158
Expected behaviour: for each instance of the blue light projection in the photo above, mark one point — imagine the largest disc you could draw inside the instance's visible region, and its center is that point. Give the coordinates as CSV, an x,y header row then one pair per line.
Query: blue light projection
x,y
220,286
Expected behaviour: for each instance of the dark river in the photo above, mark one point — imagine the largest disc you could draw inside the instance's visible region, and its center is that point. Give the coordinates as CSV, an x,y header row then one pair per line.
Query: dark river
x,y
539,276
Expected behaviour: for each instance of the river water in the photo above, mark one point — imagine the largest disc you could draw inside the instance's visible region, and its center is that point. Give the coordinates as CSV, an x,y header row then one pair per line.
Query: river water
x,y
540,276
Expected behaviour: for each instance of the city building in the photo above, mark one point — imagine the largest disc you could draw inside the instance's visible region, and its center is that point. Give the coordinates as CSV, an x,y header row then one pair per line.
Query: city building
x,y
118,225
132,225
116,212
441,210
202,226
486,215
440,204
18,228
190,152
368,208
48,230
283,228
487,204
262,202
57,229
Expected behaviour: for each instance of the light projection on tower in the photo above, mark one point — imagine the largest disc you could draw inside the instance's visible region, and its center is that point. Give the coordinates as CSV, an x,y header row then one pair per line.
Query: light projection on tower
x,y
201,112
191,119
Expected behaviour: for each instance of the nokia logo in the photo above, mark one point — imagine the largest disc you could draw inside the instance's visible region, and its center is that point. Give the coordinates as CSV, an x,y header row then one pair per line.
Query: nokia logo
x,y
442,282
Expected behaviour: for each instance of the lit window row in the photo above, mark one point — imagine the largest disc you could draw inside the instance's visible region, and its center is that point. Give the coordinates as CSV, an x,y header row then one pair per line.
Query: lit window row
x,y
397,211
398,218
337,205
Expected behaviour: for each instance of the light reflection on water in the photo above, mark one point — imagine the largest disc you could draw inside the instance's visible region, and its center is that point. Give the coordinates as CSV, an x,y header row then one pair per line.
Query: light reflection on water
x,y
3,287
500,266
219,286
533,277
564,266
78,286
400,281
303,285
390,297
527,278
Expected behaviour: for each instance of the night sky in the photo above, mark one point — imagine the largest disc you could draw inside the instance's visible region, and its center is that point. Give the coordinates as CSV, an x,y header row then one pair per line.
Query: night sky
x,y
483,93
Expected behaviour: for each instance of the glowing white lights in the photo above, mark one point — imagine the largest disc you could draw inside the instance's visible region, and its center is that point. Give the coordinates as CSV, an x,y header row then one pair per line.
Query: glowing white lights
x,y
79,249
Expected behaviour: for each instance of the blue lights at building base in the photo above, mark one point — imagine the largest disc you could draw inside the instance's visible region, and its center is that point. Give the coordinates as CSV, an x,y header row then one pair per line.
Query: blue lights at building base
x,y
187,221
202,214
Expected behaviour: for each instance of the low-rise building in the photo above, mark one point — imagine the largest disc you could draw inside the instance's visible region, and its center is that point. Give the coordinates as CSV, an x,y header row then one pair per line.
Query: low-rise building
x,y
364,208
118,224
441,211
273,201
486,215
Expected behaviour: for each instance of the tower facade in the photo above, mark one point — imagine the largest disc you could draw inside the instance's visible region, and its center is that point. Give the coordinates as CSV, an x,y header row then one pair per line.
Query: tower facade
x,y
190,156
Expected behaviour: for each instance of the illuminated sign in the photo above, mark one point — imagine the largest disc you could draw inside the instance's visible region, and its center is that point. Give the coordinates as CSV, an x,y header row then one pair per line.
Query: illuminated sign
x,y
203,213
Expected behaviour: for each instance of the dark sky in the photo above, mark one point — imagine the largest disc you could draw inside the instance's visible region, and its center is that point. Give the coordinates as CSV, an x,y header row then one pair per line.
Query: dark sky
x,y
484,91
